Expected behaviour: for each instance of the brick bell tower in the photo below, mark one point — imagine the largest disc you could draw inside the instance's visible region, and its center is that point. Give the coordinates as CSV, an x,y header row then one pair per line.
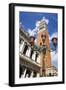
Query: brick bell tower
x,y
45,58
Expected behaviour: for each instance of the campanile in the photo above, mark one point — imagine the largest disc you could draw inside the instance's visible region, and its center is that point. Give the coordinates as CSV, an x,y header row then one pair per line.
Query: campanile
x,y
43,40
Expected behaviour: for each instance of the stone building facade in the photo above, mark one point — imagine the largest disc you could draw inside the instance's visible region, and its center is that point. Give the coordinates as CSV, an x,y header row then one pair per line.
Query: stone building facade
x,y
29,59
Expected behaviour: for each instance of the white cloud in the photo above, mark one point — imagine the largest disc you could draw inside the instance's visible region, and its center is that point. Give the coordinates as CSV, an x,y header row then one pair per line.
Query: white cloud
x,y
34,31
30,32
53,35
37,23
54,58
45,19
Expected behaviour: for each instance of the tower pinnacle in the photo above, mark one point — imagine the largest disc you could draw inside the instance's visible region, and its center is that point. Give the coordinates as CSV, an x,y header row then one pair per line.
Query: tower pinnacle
x,y
43,25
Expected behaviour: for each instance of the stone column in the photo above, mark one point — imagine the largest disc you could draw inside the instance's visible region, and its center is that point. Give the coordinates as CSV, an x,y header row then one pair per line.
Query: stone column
x,y
38,75
38,59
34,55
24,73
22,47
27,75
28,51
31,74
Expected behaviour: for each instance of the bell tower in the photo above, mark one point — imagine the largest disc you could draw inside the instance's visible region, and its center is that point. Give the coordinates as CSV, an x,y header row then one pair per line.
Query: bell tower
x,y
43,39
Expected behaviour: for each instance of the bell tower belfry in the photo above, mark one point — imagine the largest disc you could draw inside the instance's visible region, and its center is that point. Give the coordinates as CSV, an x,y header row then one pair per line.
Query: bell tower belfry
x,y
43,39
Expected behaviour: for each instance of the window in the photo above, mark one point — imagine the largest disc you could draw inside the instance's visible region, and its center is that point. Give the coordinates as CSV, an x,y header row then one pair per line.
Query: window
x,y
34,75
21,71
25,48
36,56
50,74
31,53
28,73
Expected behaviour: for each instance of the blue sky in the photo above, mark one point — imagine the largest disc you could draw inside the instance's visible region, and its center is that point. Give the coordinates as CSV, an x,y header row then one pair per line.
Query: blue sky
x,y
29,20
